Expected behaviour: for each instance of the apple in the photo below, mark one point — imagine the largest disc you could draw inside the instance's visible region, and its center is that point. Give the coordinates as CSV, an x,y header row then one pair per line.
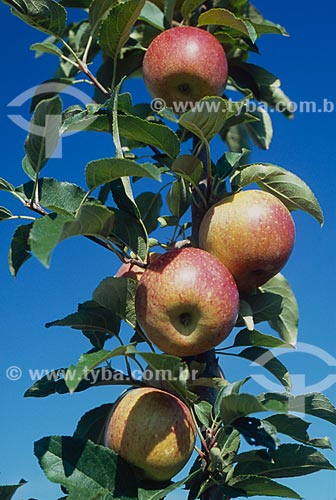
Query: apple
x,y
133,271
252,233
186,302
152,430
184,64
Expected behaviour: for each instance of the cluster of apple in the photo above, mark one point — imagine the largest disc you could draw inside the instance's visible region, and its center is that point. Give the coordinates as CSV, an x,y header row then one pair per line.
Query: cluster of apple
x,y
187,300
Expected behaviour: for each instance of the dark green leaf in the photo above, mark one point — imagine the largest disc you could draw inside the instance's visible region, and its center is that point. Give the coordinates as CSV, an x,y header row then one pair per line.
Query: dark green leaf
x,y
7,492
98,11
92,424
19,251
256,432
6,186
264,306
261,131
189,6
203,411
224,17
149,205
289,460
254,337
85,469
5,213
288,187
152,15
161,494
179,198
118,295
116,27
286,323
99,172
258,485
43,134
238,405
44,15
132,233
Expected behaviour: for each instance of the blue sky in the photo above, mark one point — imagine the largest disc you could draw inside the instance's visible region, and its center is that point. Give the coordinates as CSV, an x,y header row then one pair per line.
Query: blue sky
x,y
306,65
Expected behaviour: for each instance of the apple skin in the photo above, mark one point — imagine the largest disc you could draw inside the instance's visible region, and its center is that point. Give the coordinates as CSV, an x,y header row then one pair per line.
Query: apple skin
x,y
153,430
252,233
132,271
184,64
186,302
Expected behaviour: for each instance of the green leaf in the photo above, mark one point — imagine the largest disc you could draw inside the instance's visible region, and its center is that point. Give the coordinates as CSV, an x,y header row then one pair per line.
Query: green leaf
x,y
288,187
189,167
179,198
238,405
267,360
92,424
116,27
315,404
152,15
246,313
27,168
224,17
6,186
85,469
99,172
296,428
7,492
189,6
44,15
98,11
255,338
258,485
286,323
149,205
118,295
257,432
61,197
123,196
154,134
19,251
91,316
47,232
208,118
203,411
289,460
43,134
131,232
269,28
261,131
87,362
5,214
46,48
264,306
161,494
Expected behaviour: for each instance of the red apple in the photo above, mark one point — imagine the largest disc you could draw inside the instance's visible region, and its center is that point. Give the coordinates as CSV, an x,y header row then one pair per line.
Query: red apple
x,y
153,430
252,233
186,302
184,64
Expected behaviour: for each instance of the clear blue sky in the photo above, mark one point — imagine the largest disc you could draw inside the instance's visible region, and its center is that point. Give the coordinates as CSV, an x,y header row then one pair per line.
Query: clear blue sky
x,y
306,64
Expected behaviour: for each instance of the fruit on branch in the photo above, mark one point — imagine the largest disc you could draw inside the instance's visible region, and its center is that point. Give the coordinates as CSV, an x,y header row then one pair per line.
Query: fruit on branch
x,y
252,233
186,302
133,271
153,430
184,64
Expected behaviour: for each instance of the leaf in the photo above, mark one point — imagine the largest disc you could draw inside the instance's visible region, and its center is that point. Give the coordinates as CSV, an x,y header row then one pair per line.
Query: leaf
x,y
203,411
98,10
92,424
207,118
261,131
46,48
286,323
85,469
61,197
238,405
152,15
246,313
116,27
264,306
91,316
189,6
288,187
5,214
43,134
19,251
266,27
315,404
154,134
258,485
257,432
224,17
99,172
161,494
179,198
296,428
87,362
289,460
254,337
267,360
47,232
6,186
118,295
131,232
149,205
44,15
7,492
